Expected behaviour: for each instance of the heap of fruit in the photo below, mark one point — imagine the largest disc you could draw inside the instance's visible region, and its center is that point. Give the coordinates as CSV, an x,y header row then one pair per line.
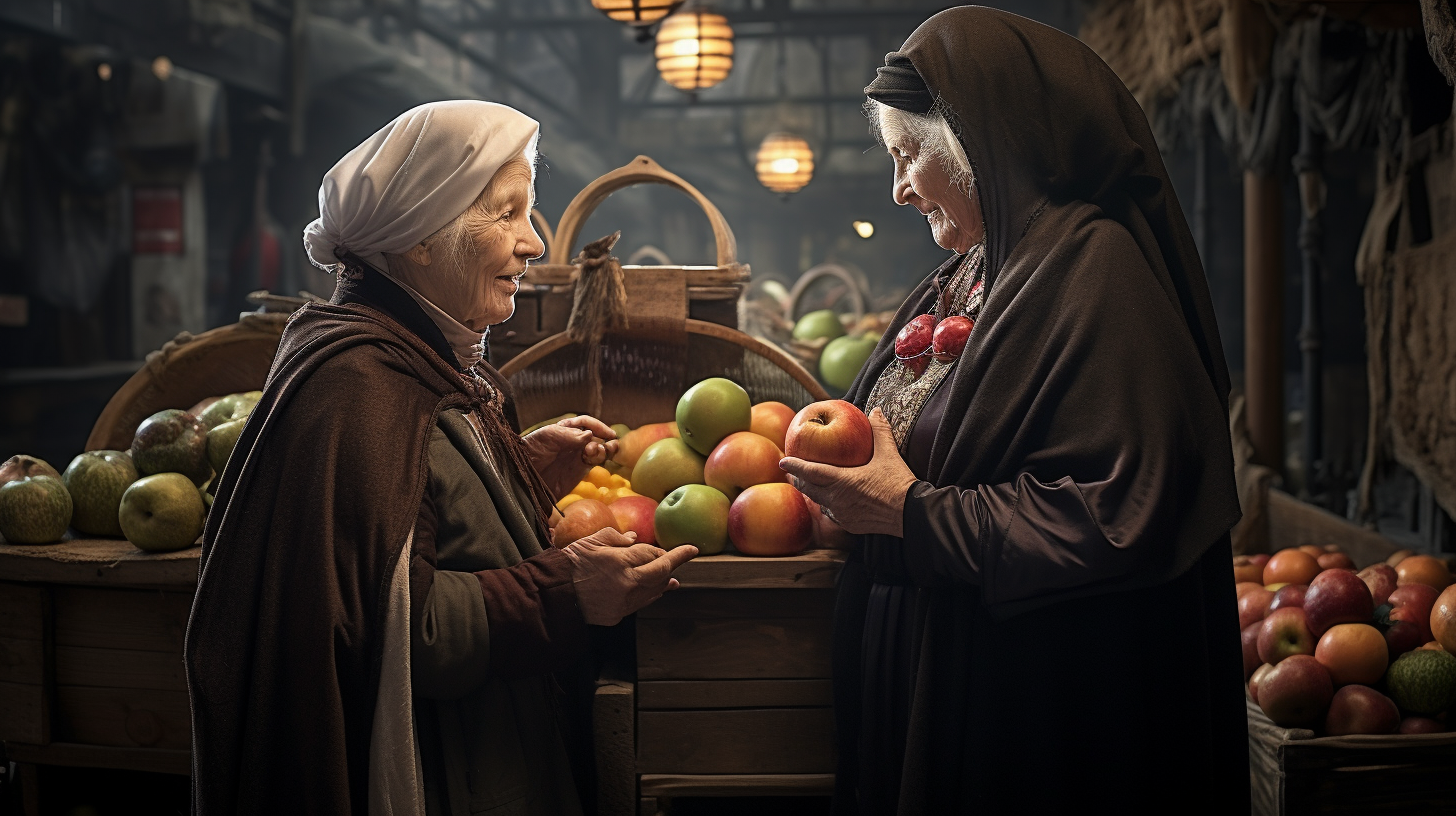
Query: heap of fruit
x,y
841,354
153,494
1346,652
713,475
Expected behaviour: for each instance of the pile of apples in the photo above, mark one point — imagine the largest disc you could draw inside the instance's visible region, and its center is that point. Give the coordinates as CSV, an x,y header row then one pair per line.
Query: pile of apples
x,y
712,476
1346,652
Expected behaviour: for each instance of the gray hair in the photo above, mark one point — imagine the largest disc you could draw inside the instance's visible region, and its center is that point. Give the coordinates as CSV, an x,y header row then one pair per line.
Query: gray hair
x,y
931,132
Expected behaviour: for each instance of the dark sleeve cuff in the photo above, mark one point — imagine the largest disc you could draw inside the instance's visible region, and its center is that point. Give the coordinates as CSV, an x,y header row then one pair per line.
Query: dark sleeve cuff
x,y
535,624
942,535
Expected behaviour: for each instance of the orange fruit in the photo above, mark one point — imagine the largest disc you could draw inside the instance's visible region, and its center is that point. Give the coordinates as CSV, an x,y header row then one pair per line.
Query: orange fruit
x,y
1290,567
1353,653
1314,550
1423,569
1443,619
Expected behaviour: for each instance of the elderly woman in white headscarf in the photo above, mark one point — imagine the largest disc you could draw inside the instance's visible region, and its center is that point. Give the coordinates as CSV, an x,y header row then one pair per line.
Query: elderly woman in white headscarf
x,y
380,608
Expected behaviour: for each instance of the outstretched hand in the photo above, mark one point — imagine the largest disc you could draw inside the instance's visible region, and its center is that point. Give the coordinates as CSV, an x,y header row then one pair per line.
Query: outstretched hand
x,y
564,451
864,500
615,577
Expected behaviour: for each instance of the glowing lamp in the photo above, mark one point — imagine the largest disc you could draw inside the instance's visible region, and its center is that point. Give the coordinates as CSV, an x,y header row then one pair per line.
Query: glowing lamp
x,y
694,50
785,163
864,229
636,12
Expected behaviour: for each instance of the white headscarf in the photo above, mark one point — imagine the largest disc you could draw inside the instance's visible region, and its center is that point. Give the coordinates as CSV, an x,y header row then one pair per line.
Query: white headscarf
x,y
410,179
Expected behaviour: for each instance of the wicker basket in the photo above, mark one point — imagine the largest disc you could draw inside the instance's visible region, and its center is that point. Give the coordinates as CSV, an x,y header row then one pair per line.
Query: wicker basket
x,y
187,370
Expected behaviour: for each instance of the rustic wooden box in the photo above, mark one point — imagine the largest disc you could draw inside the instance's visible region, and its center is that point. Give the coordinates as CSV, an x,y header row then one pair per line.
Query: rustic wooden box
x,y
1295,773
733,689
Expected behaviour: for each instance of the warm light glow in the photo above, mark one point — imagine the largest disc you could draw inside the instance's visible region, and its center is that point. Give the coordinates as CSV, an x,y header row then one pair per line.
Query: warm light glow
x,y
636,12
864,228
104,71
162,68
694,50
785,163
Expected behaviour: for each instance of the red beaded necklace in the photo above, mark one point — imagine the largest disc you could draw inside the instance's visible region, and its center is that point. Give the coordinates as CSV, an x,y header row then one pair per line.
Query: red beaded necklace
x,y
940,336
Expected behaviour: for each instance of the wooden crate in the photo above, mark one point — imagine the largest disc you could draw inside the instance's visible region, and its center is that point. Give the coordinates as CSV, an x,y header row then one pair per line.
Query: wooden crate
x,y
733,694
1295,773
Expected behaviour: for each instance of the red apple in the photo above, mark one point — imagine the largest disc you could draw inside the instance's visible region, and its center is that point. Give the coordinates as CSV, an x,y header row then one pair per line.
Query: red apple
x,y
1244,587
581,519
914,339
1413,603
1262,559
832,432
1337,596
1334,561
771,420
1401,637
1421,725
1297,692
634,515
1250,640
1357,709
1285,633
1257,678
1381,580
1245,570
950,337
742,460
769,520
1289,595
1254,605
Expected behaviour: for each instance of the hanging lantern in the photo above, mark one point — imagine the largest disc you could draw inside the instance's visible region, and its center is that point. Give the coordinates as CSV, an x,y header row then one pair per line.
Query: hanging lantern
x,y
694,50
784,163
636,12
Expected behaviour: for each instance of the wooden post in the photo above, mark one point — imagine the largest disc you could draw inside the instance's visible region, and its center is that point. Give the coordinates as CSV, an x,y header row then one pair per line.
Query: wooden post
x,y
1264,316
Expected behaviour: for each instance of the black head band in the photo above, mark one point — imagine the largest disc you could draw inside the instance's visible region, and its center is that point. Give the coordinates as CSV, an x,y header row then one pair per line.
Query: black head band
x,y
900,86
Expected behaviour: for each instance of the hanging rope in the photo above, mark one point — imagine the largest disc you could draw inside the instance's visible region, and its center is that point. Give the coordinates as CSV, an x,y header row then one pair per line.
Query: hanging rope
x,y
599,306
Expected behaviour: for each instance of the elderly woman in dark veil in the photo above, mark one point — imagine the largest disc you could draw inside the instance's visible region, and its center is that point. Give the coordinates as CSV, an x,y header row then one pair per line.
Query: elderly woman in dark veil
x,y
1038,615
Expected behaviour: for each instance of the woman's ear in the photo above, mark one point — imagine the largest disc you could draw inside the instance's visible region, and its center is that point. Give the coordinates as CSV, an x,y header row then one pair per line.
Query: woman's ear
x,y
419,255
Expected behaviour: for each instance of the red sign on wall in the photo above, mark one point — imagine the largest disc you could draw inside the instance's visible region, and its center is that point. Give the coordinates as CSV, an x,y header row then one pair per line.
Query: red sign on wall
x,y
156,220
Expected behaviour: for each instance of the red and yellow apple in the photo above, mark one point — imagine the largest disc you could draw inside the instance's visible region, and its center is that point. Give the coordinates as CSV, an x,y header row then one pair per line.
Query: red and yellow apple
x,y
1284,634
580,519
1297,692
742,460
831,432
634,514
771,421
769,520
638,440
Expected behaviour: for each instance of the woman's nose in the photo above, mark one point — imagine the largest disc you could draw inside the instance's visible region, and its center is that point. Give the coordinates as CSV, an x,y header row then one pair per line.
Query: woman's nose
x,y
531,245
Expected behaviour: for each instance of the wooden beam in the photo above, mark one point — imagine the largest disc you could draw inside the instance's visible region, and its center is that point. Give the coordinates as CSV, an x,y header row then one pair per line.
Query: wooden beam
x,y
1264,316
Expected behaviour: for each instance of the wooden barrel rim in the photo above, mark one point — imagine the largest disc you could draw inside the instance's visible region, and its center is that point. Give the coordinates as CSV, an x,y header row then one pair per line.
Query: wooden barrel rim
x,y
774,354
641,170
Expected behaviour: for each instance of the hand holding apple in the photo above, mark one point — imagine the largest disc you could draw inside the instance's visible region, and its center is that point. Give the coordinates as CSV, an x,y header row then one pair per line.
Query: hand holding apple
x,y
564,451
866,499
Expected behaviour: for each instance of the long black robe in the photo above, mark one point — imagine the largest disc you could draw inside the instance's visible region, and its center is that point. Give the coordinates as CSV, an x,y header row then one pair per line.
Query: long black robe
x,y
1056,629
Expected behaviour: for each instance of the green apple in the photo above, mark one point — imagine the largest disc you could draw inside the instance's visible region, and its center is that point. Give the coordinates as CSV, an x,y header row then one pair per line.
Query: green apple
x,y
96,481
172,441
666,465
221,441
162,512
621,429
842,359
711,410
693,514
229,408
34,510
21,465
814,325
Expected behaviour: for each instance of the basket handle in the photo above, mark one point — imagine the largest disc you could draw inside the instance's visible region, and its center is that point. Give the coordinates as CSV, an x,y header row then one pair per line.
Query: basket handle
x,y
640,170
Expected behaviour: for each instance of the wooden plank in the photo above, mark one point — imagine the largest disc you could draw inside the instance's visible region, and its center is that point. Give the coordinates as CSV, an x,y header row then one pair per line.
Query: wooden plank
x,y
741,741
701,604
669,785
733,649
74,755
99,562
614,739
21,610
120,668
700,694
128,718
22,661
23,713
1293,523
144,620
815,569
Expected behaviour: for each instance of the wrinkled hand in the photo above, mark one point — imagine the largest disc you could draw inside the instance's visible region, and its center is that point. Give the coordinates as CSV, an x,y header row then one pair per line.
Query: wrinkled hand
x,y
864,500
563,452
615,577
824,532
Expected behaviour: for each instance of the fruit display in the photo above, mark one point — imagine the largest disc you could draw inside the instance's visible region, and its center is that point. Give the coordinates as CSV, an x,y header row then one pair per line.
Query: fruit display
x,y
137,494
1346,652
711,478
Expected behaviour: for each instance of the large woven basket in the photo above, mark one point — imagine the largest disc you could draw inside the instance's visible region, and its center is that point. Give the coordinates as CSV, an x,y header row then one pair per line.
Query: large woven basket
x,y
644,369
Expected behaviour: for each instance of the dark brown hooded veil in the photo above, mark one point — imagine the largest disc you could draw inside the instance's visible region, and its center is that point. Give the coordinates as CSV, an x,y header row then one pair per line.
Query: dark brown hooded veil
x,y
1077,474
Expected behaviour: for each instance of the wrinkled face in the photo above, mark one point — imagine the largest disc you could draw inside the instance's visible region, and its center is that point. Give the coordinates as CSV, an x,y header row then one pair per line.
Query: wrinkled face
x,y
921,181
471,269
